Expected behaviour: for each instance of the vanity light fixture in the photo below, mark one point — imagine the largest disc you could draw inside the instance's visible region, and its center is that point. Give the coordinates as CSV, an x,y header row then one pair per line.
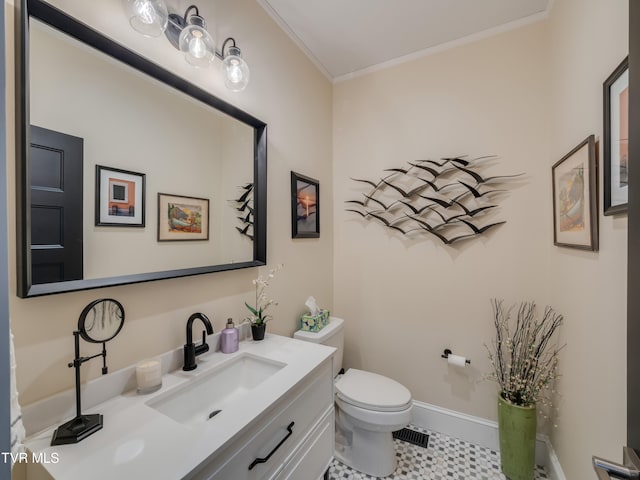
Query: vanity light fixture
x,y
236,69
193,39
188,34
148,17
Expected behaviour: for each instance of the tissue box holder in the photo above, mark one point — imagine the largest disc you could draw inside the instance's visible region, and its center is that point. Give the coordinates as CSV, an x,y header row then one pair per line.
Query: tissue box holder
x,y
315,323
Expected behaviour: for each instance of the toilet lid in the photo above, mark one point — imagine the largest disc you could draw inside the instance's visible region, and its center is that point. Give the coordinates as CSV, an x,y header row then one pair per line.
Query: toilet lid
x,y
372,391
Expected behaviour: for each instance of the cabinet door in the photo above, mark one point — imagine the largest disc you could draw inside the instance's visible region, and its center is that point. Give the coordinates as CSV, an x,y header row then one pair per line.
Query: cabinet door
x,y
315,455
267,447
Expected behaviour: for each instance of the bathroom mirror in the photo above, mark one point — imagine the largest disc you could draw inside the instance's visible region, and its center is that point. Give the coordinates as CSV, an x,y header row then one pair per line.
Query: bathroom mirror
x,y
101,320
179,175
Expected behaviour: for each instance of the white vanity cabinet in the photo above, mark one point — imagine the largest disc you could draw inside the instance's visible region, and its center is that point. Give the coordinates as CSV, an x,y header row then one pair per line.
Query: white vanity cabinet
x,y
281,428
291,440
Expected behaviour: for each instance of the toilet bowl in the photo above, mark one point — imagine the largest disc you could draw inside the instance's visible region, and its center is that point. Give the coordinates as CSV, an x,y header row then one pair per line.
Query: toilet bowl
x,y
369,407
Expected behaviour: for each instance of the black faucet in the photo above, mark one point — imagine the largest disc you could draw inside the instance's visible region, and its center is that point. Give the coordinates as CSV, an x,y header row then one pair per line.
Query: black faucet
x,y
190,350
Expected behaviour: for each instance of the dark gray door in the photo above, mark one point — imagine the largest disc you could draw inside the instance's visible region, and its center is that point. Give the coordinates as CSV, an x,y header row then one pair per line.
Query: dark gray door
x,y
630,466
56,206
5,396
633,272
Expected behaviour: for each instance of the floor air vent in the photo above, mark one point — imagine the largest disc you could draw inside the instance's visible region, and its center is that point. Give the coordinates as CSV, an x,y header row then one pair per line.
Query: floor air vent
x,y
413,437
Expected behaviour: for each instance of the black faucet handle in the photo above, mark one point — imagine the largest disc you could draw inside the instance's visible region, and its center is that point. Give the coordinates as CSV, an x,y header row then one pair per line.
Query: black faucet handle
x,y
204,347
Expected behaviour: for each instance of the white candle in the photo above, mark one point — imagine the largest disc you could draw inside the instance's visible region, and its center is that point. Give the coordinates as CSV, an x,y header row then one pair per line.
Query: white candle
x,y
148,376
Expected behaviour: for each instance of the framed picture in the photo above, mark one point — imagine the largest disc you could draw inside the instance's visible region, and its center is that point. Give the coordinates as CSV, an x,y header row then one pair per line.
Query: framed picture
x,y
575,194
182,218
616,140
120,197
305,207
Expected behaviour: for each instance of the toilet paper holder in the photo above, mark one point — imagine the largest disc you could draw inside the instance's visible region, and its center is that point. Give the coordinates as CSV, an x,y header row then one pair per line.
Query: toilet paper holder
x,y
448,352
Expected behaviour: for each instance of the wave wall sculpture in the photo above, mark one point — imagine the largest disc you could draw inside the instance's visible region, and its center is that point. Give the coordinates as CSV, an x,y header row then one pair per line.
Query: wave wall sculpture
x,y
448,199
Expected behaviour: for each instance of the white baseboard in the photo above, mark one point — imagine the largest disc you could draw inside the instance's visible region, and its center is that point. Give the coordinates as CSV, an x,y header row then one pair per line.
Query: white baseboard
x,y
481,432
554,469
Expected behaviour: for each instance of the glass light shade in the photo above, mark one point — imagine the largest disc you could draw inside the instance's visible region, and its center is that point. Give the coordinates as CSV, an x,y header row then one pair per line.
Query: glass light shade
x,y
148,17
236,70
196,43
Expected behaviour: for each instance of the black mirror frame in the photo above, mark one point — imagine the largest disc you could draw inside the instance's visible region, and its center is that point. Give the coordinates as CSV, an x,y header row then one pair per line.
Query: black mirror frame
x,y
50,15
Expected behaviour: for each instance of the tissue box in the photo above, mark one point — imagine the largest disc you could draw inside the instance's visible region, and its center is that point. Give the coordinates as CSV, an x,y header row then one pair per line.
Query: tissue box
x,y
315,323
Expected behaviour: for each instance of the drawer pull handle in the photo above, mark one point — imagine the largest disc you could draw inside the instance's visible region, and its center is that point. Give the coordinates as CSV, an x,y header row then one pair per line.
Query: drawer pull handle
x,y
266,459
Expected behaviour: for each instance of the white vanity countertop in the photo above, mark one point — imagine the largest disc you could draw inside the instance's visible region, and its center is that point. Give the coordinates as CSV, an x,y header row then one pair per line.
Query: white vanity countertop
x,y
137,441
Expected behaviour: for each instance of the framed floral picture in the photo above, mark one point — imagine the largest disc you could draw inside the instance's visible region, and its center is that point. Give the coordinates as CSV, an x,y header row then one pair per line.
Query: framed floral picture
x,y
616,140
120,197
182,218
575,207
305,207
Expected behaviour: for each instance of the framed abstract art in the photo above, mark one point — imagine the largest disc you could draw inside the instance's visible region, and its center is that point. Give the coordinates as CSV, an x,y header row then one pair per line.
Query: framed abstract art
x,y
575,207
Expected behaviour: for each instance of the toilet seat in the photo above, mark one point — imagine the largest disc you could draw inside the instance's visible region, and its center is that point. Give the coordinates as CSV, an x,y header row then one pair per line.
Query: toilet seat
x,y
371,391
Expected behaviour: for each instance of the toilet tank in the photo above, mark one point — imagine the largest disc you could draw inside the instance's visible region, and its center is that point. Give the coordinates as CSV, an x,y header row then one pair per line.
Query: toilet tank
x,y
332,335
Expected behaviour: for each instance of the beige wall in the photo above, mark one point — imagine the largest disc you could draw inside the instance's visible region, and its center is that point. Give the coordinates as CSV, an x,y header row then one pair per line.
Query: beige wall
x,y
404,301
294,99
529,96
588,41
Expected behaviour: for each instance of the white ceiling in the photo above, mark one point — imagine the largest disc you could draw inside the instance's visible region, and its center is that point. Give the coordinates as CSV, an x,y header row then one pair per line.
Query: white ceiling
x,y
344,37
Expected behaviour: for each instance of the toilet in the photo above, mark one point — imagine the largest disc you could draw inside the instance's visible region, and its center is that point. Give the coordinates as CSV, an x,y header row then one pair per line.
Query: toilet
x,y
369,407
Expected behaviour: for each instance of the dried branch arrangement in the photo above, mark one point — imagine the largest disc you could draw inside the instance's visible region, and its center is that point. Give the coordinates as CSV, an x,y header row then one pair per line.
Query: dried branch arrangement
x,y
524,358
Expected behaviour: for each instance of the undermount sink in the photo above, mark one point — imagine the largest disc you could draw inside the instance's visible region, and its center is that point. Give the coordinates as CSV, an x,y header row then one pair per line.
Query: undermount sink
x,y
203,397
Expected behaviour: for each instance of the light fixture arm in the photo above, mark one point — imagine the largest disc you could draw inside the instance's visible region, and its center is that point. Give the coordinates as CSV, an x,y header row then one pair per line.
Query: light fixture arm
x,y
186,13
220,54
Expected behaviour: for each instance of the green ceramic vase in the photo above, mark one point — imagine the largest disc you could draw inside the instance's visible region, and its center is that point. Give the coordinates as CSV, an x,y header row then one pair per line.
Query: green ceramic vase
x,y
517,430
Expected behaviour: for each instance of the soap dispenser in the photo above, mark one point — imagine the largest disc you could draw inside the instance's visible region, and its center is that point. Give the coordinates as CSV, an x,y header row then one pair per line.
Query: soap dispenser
x,y
229,338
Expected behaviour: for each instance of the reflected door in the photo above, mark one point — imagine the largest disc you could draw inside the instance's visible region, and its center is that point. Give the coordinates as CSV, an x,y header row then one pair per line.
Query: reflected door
x,y
56,206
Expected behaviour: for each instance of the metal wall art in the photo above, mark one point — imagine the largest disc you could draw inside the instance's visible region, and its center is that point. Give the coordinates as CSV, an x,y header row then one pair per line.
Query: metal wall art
x,y
244,207
448,199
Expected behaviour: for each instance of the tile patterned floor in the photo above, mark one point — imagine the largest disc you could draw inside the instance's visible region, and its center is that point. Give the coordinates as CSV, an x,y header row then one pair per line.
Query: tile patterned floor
x,y
445,458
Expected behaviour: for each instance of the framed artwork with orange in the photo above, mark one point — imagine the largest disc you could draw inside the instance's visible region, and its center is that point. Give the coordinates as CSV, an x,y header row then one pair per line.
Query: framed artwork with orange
x,y
616,140
119,197
305,206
